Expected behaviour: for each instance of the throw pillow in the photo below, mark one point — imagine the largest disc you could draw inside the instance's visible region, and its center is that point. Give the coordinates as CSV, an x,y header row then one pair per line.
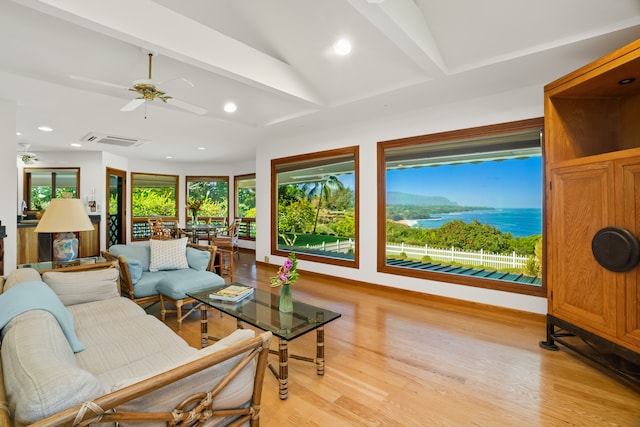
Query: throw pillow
x,y
83,286
168,254
135,270
198,259
20,275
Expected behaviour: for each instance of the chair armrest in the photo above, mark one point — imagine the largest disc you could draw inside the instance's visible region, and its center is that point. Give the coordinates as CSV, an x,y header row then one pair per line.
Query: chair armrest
x,y
256,349
126,284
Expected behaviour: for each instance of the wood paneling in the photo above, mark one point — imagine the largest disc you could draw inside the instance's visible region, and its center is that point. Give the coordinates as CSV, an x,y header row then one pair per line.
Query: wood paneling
x,y
27,242
89,242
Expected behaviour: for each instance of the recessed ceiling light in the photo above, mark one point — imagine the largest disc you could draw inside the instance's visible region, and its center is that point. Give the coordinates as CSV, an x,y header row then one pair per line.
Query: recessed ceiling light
x,y
168,157
342,47
18,134
230,107
201,148
76,144
627,81
45,128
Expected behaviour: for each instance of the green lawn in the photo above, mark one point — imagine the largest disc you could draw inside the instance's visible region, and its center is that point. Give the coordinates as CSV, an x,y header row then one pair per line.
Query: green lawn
x,y
313,239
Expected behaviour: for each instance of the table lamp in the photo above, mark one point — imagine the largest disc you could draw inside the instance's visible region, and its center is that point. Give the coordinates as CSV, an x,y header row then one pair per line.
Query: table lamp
x,y
63,217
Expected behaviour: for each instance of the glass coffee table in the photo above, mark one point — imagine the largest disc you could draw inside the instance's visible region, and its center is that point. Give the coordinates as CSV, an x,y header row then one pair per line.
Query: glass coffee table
x,y
260,309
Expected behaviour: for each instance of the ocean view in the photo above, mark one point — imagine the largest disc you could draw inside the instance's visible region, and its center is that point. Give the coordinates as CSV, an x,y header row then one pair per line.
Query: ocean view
x,y
518,222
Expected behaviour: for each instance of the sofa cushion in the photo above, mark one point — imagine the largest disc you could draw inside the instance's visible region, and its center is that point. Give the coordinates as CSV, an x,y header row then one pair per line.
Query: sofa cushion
x,y
198,259
20,275
123,341
134,251
176,282
41,374
168,254
148,284
85,286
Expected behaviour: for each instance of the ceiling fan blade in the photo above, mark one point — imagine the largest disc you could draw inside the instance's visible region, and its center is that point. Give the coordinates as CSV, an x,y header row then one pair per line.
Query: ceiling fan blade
x,y
133,104
186,106
98,82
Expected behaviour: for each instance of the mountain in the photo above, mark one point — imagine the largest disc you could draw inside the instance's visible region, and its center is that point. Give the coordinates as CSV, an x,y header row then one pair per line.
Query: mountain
x,y
398,198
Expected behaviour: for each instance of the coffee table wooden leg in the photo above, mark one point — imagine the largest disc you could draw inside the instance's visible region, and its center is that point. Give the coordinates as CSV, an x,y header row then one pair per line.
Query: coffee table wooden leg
x,y
320,350
283,374
204,326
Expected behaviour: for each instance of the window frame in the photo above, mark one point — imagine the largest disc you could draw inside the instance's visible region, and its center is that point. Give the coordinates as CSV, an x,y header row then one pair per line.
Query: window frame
x,y
27,181
302,160
205,178
143,221
451,136
247,224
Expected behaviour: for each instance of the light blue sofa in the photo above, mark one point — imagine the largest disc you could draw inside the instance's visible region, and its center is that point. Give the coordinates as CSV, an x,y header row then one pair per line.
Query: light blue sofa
x,y
144,286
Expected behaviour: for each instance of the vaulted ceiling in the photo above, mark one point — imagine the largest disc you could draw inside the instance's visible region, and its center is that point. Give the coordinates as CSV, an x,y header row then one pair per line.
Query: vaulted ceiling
x,y
68,64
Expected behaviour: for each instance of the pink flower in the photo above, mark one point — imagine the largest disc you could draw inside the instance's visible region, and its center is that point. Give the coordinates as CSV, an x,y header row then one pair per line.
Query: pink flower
x,y
286,274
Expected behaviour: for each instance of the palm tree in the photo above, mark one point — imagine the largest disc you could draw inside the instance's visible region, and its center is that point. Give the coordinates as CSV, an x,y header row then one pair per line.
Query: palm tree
x,y
322,189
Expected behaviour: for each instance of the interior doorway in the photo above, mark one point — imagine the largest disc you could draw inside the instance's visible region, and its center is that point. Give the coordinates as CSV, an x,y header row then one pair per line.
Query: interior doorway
x,y
116,207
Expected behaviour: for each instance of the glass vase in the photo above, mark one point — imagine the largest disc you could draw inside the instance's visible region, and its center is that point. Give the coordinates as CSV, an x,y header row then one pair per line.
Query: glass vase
x,y
286,301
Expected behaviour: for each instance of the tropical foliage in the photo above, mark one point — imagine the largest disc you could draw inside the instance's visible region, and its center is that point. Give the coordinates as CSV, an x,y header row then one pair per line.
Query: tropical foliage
x,y
323,207
247,202
212,195
472,236
153,202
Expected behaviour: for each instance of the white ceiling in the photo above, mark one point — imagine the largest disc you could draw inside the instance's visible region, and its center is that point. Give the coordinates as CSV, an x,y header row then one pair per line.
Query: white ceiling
x,y
273,58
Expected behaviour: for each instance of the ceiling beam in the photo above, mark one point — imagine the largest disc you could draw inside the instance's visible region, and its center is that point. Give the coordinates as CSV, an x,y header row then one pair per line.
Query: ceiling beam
x,y
402,22
183,39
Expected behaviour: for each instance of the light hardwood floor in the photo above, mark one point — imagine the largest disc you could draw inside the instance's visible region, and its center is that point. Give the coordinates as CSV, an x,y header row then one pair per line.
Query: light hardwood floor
x,y
396,359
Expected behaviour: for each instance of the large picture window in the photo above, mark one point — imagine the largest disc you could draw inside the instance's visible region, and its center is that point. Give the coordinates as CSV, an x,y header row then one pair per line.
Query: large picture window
x,y
210,194
152,196
464,207
246,205
315,207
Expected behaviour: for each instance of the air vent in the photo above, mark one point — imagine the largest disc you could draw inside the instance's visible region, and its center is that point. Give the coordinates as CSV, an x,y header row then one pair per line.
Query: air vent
x,y
118,141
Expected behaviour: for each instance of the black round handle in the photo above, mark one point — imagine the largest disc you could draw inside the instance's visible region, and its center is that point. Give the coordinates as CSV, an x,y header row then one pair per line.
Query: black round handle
x,y
616,249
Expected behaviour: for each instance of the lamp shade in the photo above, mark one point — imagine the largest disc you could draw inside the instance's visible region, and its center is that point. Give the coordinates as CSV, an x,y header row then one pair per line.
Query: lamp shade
x,y
64,215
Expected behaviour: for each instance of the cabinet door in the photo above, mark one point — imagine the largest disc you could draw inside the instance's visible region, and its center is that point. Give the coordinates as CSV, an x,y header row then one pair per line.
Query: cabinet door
x,y
581,291
628,215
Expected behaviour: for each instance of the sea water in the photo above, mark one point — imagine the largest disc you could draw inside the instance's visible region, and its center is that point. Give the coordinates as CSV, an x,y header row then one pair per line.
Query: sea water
x,y
518,222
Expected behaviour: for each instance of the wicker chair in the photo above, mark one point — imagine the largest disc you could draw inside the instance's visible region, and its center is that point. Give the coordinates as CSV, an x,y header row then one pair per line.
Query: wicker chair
x,y
159,230
230,240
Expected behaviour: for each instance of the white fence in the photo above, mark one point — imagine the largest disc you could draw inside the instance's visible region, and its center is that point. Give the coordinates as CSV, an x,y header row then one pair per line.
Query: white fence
x,y
482,258
342,246
463,257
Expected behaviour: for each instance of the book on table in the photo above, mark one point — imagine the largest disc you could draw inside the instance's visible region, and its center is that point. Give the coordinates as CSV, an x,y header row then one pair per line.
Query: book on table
x,y
232,293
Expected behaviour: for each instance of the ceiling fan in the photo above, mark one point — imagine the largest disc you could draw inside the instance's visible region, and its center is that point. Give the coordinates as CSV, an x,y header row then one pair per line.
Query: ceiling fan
x,y
27,157
148,91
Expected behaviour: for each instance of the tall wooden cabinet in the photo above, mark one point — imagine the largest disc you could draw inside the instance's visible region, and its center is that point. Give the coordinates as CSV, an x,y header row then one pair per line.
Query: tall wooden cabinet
x,y
592,174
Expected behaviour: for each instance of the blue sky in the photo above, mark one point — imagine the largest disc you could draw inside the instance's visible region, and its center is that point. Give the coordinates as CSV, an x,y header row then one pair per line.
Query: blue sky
x,y
505,184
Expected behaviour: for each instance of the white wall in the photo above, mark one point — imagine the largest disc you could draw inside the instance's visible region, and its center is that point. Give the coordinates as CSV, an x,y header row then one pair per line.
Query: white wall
x,y
504,107
9,181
